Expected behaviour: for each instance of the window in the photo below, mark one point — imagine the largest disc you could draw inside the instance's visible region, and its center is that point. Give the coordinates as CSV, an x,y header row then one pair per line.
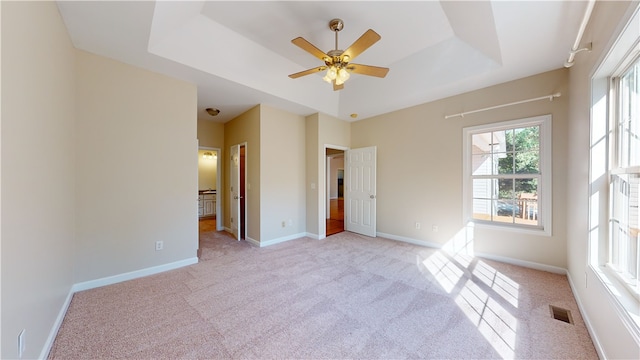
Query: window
x,y
624,179
614,171
507,174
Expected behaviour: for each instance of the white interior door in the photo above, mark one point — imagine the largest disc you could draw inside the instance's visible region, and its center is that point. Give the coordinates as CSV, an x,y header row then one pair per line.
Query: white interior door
x,y
360,191
234,190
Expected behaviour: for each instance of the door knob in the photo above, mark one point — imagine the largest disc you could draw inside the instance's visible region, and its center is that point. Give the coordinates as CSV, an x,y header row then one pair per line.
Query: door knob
x,y
372,196
235,197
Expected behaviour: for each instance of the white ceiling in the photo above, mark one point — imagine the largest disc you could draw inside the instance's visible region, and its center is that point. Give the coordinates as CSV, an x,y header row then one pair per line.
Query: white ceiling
x,y
239,53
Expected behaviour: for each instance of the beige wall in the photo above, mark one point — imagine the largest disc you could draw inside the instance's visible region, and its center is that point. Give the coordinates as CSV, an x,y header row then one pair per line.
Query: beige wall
x,y
210,134
331,132
245,128
37,165
282,172
615,339
420,167
137,169
321,130
207,170
312,175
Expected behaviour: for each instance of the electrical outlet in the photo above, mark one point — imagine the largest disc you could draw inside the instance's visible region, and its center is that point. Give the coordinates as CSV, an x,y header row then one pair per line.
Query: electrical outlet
x,y
284,224
434,228
22,346
417,226
159,245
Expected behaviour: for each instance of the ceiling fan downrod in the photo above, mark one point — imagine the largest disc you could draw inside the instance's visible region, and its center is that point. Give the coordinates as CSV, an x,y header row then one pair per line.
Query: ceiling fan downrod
x,y
336,25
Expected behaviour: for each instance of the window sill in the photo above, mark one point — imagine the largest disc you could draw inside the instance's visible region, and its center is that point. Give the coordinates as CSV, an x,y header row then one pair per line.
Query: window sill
x,y
625,304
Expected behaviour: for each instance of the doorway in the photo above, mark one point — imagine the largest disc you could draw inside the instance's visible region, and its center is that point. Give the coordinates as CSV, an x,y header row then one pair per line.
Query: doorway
x,y
334,191
360,198
237,190
209,178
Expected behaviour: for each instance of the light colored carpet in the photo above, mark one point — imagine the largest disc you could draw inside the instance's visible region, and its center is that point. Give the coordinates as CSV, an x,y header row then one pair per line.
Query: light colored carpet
x,y
347,296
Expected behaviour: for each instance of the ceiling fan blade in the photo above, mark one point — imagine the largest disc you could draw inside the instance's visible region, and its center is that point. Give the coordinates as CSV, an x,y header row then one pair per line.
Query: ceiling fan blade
x,y
368,70
367,39
310,48
307,72
337,87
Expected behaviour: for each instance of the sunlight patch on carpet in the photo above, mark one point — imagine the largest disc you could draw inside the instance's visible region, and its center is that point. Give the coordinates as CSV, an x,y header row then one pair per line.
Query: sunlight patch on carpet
x,y
498,282
455,267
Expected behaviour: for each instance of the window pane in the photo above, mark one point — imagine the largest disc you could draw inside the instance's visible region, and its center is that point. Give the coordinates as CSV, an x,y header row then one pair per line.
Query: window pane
x,y
504,210
483,188
481,164
505,189
527,162
633,126
480,143
504,163
625,224
499,142
527,139
482,209
629,122
634,133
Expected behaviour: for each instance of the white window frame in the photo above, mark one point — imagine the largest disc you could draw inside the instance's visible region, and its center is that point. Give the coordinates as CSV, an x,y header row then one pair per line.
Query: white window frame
x,y
545,186
602,162
616,167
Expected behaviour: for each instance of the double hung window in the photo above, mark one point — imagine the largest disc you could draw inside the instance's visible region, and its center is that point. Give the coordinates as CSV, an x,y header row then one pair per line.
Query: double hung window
x,y
624,177
507,174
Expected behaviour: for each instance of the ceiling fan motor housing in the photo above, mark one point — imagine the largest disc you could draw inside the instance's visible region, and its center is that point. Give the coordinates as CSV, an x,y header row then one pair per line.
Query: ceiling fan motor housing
x,y
336,24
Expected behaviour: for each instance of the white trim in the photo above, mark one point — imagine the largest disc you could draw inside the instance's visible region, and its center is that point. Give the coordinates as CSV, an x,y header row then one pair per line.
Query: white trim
x,y
502,259
109,280
594,337
624,303
48,344
282,239
251,241
313,236
523,263
409,240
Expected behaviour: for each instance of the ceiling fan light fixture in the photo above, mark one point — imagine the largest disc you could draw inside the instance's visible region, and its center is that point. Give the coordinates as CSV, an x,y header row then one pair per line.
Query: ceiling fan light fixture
x,y
212,111
343,74
332,74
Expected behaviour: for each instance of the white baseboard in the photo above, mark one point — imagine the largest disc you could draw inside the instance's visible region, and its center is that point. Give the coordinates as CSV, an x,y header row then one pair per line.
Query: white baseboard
x,y
587,322
508,260
409,240
313,236
253,242
523,263
282,239
56,326
132,275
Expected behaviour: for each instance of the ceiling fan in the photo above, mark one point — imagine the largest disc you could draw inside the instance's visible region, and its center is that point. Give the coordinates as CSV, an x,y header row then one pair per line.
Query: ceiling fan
x,y
337,62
